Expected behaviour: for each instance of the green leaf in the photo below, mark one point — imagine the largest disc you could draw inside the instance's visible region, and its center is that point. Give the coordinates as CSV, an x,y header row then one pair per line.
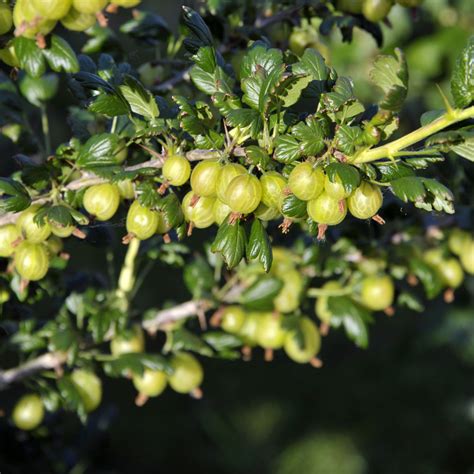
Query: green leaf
x,y
135,363
311,136
109,105
63,339
70,396
211,82
409,188
140,100
13,196
294,207
287,149
462,81
148,194
99,150
354,318
257,156
260,58
289,90
440,198
341,94
410,301
183,340
393,171
172,213
201,33
259,246
59,214
465,148
428,276
312,63
30,56
260,296
198,277
230,242
60,56
39,89
224,343
391,75
349,176
346,138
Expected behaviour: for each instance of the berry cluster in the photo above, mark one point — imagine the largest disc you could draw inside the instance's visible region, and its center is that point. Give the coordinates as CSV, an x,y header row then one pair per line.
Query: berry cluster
x,y
374,10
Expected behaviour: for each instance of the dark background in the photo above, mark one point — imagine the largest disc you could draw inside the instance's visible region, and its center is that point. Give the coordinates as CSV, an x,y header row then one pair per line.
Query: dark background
x,y
405,405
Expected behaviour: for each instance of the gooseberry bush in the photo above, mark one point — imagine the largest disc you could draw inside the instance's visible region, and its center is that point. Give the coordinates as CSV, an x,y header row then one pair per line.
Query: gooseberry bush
x,y
299,183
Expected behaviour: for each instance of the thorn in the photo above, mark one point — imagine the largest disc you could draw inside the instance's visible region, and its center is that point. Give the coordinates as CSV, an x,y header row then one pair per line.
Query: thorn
x,y
316,362
141,399
268,356
378,219
389,311
448,106
324,328
448,295
196,393
247,353
322,228
78,233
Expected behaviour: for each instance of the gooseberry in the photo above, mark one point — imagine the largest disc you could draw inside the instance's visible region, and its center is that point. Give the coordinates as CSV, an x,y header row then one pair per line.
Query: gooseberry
x,y
227,174
288,299
457,240
89,387
244,194
351,6
31,260
204,178
77,21
201,214
327,210
102,200
377,292
62,231
54,245
187,373
270,332
127,3
141,221
248,331
265,213
176,170
321,307
126,189
52,9
303,343
233,318
26,19
151,383
28,412
365,201
29,228
335,188
9,234
376,10
273,184
305,181
6,19
130,342
89,6
467,257
221,211
451,272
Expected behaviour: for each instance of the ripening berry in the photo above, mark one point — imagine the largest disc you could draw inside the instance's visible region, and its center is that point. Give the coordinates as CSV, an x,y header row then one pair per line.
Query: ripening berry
x,y
52,9
303,343
29,228
176,170
273,184
141,221
89,6
77,21
457,240
102,201
288,299
377,292
321,307
28,412
89,387
187,373
467,257
233,319
127,3
376,10
130,342
265,213
221,211
327,210
26,19
451,272
244,194
151,383
204,178
306,182
9,234
31,260
227,174
335,188
365,201
201,215
126,189
62,231
6,19
270,332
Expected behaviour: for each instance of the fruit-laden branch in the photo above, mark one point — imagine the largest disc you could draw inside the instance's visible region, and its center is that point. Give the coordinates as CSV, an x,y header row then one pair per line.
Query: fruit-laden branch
x,y
51,360
89,179
390,150
54,360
